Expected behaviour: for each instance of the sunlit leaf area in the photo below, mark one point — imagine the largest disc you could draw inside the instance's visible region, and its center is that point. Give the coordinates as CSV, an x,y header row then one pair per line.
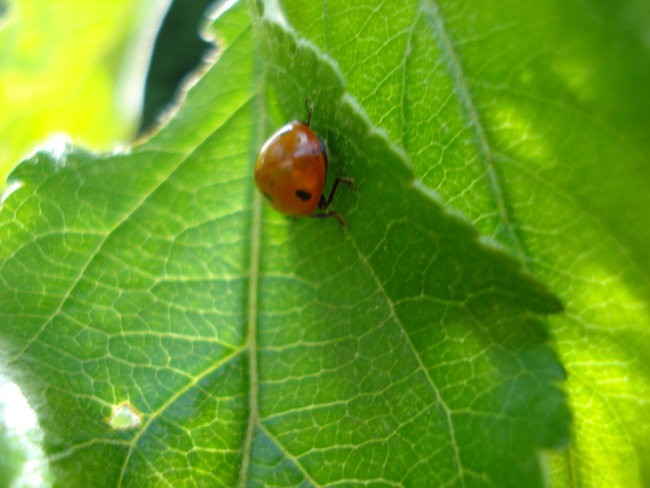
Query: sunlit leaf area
x,y
476,316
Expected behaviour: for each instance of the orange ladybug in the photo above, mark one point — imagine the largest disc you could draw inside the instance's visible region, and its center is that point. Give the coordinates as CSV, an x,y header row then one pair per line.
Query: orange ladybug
x,y
290,171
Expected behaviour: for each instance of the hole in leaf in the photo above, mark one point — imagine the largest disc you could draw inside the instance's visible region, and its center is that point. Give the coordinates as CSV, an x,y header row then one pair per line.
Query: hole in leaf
x,y
125,416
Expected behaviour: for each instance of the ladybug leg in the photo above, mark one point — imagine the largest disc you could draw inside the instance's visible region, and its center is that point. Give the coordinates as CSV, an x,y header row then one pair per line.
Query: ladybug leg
x,y
331,213
323,204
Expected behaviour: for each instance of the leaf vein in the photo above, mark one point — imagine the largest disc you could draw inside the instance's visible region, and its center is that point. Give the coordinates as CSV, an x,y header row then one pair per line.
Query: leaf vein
x,y
421,365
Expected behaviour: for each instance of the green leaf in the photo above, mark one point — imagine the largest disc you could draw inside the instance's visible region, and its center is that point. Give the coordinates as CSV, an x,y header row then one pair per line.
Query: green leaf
x,y
169,328
532,119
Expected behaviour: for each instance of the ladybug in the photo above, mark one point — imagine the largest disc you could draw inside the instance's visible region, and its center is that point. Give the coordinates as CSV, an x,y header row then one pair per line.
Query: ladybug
x,y
291,168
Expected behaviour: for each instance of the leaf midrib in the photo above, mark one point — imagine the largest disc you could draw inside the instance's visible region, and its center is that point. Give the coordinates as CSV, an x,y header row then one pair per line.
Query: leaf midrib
x,y
253,292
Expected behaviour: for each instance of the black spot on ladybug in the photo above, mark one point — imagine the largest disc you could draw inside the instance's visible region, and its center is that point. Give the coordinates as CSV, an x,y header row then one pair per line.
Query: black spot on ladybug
x,y
269,197
303,195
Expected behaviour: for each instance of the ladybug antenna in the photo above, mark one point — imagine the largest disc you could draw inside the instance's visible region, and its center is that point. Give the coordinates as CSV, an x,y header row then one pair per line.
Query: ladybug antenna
x,y
310,110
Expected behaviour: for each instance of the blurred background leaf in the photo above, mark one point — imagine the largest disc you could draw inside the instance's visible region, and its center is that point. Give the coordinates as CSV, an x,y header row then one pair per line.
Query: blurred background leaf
x,y
71,67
